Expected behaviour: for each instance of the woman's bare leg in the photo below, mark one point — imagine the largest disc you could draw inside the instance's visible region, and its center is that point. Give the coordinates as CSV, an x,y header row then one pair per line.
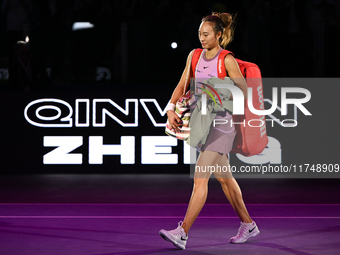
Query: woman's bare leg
x,y
232,191
200,189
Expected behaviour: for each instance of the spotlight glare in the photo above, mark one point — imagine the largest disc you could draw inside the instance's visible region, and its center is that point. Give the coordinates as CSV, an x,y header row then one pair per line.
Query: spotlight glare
x,y
174,45
81,25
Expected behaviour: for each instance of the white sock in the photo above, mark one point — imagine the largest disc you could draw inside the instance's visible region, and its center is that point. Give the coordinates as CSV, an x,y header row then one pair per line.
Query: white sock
x,y
249,224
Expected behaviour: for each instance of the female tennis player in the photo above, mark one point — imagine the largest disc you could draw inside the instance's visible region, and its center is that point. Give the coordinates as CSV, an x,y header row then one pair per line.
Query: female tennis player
x,y
215,33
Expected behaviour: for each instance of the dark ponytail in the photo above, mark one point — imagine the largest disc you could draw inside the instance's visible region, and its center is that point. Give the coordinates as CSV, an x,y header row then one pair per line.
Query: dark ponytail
x,y
224,23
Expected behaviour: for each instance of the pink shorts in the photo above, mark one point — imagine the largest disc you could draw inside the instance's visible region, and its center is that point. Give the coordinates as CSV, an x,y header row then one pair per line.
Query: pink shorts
x,y
221,137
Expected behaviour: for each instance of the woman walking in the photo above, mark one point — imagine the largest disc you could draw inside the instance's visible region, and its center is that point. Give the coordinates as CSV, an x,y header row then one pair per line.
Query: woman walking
x,y
215,33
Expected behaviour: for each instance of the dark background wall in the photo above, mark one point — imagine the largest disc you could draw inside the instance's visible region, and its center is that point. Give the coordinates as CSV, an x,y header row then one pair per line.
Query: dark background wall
x,y
128,54
285,38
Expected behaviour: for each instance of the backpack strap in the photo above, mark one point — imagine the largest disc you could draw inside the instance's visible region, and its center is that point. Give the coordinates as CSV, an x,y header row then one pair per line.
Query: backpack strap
x,y
195,57
220,63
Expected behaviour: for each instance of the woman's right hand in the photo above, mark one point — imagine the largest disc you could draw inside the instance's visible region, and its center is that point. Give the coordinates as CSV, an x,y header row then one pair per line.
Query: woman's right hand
x,y
174,121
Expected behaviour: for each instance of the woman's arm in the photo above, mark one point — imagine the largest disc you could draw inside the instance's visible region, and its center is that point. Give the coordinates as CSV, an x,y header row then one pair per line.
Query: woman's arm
x,y
174,120
235,74
182,83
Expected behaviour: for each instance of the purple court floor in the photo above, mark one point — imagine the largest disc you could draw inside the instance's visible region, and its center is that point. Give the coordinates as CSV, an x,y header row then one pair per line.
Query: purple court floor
x,y
107,214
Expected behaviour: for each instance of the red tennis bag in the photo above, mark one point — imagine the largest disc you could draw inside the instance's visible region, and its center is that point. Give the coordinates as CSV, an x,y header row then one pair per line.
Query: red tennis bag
x,y
251,138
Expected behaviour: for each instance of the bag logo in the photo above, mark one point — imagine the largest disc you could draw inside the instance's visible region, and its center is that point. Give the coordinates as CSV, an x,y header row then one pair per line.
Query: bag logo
x,y
220,66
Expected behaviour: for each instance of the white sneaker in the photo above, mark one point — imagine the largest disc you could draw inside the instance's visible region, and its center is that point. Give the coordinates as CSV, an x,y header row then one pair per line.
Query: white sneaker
x,y
177,236
244,232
